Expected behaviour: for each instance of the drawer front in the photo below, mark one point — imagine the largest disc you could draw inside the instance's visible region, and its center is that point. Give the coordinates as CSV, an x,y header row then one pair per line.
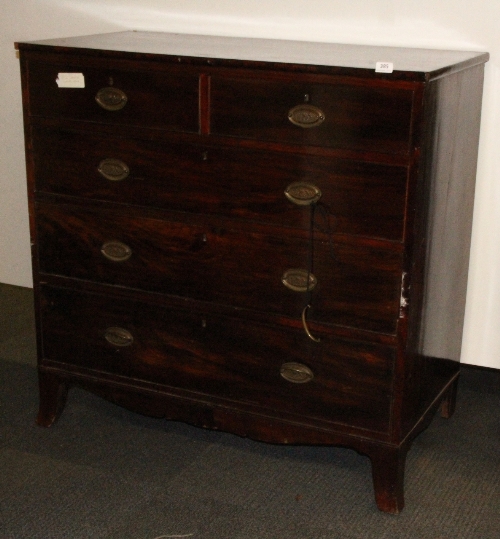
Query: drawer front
x,y
240,183
161,100
357,284
355,117
220,356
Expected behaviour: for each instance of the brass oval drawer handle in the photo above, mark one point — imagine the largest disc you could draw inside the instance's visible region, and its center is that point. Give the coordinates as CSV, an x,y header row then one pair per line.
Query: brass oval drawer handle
x,y
116,251
113,169
306,116
297,373
299,280
306,328
118,336
303,193
111,98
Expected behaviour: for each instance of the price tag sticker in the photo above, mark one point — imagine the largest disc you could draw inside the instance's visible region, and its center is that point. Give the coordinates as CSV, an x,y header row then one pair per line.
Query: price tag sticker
x,y
70,80
384,67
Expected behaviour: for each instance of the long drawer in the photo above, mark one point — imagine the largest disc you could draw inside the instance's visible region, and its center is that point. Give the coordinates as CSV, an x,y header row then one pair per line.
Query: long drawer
x,y
332,114
361,198
167,100
227,358
353,284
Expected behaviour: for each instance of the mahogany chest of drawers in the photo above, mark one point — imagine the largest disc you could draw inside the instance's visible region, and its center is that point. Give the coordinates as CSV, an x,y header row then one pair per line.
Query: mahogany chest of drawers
x,y
268,238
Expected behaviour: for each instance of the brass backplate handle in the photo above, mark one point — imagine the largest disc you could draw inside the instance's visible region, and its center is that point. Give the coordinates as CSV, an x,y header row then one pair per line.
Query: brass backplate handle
x,y
303,193
113,169
299,280
297,373
306,328
116,251
306,116
118,336
111,98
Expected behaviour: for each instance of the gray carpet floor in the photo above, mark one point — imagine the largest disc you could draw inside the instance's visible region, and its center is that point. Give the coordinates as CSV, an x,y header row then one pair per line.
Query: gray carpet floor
x,y
104,472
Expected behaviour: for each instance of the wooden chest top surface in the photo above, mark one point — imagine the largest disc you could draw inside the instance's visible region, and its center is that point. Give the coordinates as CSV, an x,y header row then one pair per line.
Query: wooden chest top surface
x,y
409,63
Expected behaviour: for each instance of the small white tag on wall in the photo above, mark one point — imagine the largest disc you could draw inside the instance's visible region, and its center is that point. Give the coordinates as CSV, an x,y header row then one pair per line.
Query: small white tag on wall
x,y
70,80
384,67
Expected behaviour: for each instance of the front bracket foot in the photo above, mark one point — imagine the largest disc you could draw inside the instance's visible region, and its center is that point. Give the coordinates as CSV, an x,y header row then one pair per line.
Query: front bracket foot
x,y
388,466
53,395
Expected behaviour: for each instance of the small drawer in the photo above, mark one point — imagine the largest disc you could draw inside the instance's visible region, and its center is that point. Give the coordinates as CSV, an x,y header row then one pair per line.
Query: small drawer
x,y
156,99
222,357
335,115
358,284
233,182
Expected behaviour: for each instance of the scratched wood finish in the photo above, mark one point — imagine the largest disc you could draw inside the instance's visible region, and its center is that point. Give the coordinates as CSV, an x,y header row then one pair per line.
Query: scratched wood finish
x,y
210,151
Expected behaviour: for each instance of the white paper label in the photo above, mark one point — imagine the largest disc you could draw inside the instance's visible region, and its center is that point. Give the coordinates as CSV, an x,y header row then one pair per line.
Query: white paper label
x,y
384,67
70,80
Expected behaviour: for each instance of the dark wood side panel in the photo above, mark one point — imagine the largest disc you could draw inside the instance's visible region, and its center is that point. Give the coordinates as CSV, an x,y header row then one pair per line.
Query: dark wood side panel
x,y
443,226
451,171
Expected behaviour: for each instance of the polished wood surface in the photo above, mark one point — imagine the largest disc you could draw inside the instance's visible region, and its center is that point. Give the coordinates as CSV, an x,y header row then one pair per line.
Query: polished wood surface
x,y
352,380
241,183
165,285
158,99
333,58
356,116
358,283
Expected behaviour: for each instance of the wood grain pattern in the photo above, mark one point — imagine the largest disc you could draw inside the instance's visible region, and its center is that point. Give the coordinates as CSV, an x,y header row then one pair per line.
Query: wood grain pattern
x,y
196,324
217,356
235,182
357,285
362,118
159,100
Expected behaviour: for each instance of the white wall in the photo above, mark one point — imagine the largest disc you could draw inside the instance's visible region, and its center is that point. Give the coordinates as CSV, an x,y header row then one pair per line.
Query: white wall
x,y
454,24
